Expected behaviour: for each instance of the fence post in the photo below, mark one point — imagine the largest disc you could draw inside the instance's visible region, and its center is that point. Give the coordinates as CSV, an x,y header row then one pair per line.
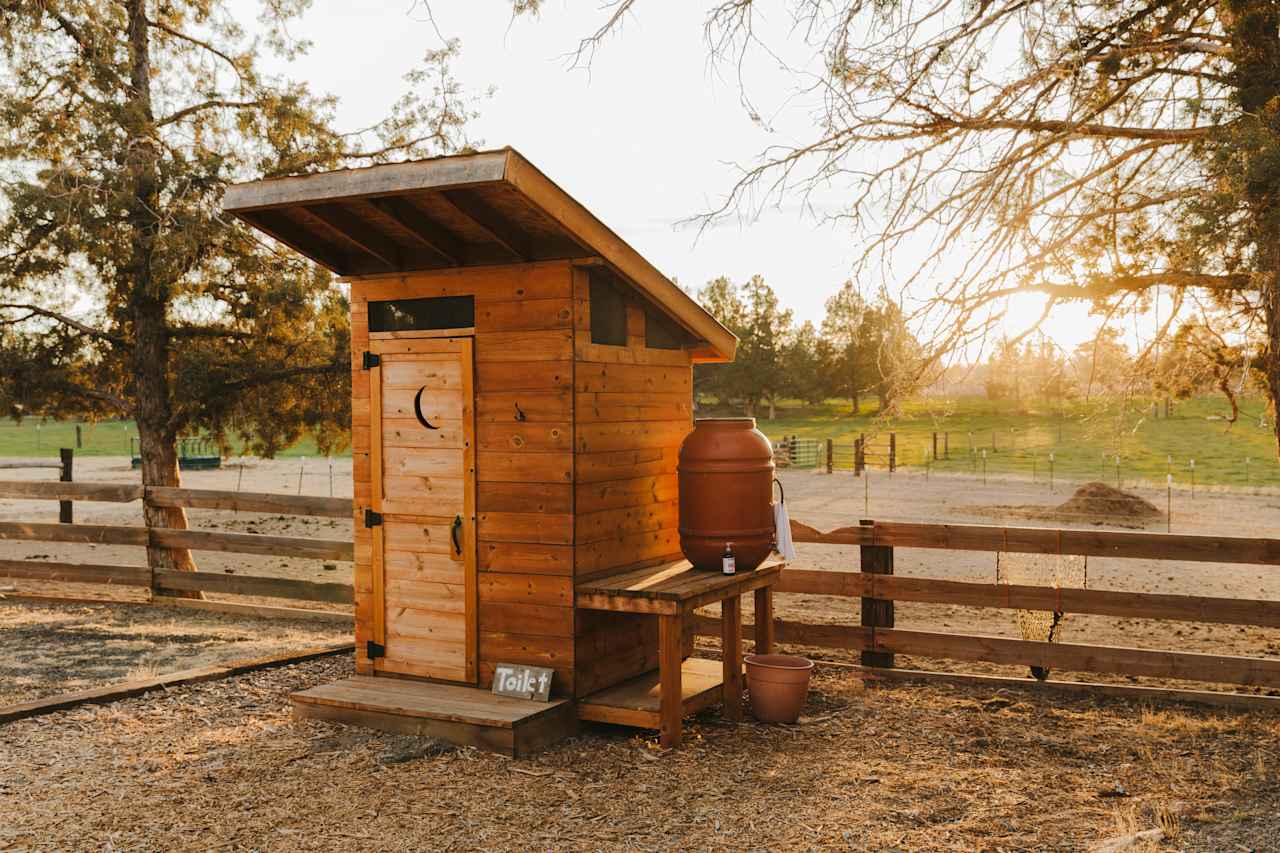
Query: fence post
x,y
876,612
831,453
64,507
893,452
859,455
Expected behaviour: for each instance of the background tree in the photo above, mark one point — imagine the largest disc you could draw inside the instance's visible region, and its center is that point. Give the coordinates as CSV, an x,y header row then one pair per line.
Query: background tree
x,y
1084,150
123,292
892,351
752,313
1104,365
807,365
842,327
1199,358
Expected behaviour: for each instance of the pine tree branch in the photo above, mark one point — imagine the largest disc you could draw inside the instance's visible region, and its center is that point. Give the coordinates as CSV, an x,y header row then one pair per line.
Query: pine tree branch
x,y
333,367
178,34
206,105
93,394
36,310
207,332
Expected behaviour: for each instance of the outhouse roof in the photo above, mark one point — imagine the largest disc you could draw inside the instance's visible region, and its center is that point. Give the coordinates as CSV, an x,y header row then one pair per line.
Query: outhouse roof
x,y
481,209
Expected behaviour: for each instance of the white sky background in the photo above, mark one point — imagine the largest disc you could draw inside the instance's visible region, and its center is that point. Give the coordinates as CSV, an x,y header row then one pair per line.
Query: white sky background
x,y
646,138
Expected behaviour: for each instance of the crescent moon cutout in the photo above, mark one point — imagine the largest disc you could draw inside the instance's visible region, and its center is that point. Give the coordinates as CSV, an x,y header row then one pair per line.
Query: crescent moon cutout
x,y
417,409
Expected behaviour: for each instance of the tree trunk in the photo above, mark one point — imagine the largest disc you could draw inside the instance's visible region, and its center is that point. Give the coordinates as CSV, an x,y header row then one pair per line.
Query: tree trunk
x,y
773,409
1271,357
148,302
1255,47
857,405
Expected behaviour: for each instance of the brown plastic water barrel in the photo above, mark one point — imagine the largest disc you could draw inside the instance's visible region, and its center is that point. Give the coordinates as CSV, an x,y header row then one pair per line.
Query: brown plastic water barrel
x,y
726,493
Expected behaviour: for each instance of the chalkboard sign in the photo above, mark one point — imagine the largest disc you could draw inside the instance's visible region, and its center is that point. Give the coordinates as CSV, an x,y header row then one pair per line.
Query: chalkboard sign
x,y
523,682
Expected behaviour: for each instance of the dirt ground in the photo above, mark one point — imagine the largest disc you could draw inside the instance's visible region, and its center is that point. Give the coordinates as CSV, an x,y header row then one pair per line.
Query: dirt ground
x,y
221,766
78,646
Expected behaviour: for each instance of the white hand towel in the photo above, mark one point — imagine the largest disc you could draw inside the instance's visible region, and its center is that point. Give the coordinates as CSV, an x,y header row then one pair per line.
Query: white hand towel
x,y
782,531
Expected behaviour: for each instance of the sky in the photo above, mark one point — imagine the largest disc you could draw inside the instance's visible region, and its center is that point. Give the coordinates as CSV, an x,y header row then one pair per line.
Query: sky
x,y
649,136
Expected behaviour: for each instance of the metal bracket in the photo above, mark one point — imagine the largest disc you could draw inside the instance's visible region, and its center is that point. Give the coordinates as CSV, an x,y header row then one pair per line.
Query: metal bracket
x,y
372,519
374,650
370,360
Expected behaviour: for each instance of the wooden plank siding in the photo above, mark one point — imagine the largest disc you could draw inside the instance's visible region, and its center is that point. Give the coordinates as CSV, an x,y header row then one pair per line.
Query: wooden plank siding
x,y
633,408
524,414
576,447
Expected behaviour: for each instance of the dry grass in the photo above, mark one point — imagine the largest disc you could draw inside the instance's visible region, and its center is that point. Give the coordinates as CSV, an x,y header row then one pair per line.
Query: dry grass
x,y
223,766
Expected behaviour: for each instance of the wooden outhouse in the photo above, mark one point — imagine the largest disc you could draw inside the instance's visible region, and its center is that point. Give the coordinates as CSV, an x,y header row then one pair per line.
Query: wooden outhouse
x,y
521,384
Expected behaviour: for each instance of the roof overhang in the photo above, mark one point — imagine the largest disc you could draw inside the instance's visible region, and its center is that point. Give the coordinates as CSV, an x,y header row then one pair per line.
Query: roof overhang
x,y
482,209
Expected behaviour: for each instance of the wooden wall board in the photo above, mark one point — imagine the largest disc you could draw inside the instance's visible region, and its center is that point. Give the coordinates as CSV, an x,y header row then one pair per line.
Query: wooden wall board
x,y
549,498
633,408
526,558
534,527
614,494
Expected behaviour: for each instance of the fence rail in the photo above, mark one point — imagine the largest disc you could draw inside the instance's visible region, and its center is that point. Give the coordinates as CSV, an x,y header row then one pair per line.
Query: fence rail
x,y
162,583
878,638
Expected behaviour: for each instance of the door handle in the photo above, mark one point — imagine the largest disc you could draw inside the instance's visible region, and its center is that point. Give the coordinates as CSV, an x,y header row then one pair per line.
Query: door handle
x,y
454,530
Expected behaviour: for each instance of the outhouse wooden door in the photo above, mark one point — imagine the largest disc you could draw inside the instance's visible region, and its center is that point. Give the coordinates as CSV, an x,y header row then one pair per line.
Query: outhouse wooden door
x,y
422,447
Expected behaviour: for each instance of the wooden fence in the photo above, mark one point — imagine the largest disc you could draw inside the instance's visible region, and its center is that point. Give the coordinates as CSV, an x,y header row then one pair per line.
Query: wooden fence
x,y
170,584
879,639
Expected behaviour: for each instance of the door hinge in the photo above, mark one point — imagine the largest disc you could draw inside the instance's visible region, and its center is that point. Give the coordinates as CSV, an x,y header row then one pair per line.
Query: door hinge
x,y
371,360
374,650
371,518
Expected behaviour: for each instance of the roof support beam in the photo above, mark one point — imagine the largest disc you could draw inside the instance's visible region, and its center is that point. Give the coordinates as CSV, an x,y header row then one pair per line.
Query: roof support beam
x,y
295,237
351,228
426,232
488,220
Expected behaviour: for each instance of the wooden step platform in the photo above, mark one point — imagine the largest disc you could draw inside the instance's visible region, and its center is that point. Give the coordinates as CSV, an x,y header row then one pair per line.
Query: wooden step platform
x,y
635,702
466,716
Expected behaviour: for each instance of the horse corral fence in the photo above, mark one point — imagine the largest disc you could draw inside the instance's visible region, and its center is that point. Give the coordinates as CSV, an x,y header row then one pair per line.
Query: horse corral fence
x,y
164,584
876,636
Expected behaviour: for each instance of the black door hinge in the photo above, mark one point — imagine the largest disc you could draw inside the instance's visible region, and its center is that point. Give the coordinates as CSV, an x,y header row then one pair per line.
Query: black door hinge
x,y
371,518
370,360
374,650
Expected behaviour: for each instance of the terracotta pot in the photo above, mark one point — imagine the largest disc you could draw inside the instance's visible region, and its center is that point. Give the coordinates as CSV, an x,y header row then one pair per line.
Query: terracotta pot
x,y
777,685
726,493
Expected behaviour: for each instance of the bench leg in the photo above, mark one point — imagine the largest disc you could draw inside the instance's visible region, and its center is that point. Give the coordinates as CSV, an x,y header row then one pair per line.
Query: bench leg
x,y
670,660
764,620
731,648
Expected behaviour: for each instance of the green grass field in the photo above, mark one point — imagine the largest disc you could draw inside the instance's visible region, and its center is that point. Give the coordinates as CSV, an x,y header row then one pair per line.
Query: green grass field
x,y
1018,438
1084,439
36,438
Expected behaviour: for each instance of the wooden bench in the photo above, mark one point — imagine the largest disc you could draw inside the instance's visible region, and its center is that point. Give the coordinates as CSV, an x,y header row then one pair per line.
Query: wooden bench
x,y
671,592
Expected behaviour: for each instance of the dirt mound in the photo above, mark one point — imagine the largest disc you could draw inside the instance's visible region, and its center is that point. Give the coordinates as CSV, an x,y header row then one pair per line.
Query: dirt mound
x,y
1099,499
1092,503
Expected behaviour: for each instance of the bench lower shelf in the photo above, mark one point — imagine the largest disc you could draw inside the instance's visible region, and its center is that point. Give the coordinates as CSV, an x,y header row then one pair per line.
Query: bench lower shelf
x,y
635,702
466,716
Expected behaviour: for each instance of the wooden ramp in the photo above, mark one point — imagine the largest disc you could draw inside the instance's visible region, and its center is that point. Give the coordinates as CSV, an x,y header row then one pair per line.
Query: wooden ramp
x,y
636,702
466,716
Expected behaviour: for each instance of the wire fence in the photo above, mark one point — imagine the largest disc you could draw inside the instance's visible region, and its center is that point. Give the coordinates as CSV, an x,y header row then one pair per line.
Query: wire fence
x,y
1006,453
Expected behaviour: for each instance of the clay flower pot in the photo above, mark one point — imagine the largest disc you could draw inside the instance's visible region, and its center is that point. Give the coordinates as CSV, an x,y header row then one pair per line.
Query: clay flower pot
x,y
777,685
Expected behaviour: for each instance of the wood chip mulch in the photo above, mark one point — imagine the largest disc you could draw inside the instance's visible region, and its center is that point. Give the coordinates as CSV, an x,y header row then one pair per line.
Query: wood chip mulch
x,y
222,766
